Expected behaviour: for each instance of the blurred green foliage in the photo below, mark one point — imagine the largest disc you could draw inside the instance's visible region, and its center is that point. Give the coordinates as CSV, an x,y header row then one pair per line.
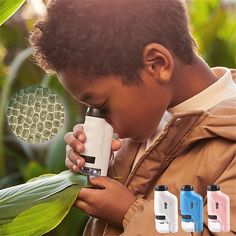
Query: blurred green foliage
x,y
8,8
213,23
19,161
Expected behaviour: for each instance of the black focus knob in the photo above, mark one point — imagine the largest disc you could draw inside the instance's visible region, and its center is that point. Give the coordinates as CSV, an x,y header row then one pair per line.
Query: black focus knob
x,y
213,187
95,112
161,188
187,188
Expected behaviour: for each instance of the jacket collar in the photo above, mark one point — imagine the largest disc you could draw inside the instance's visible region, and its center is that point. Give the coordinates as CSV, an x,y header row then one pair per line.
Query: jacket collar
x,y
182,131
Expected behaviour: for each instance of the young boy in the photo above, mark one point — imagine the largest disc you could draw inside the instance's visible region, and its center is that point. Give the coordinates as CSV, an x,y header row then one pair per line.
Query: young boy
x,y
135,60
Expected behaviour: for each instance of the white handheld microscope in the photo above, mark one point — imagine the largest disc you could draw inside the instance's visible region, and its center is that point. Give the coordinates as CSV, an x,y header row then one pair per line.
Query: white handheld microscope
x,y
166,210
98,143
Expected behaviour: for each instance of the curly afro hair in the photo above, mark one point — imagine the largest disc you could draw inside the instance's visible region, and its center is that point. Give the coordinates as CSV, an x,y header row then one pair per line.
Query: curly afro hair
x,y
105,37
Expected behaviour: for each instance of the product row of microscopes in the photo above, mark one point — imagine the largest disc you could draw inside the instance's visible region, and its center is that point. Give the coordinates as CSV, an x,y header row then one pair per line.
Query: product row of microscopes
x,y
191,208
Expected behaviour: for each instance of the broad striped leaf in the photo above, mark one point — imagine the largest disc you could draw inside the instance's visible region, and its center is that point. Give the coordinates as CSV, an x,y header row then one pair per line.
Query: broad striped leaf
x,y
39,205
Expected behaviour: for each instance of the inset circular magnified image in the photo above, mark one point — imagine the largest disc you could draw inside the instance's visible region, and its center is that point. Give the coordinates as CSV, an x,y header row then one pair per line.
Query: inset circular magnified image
x,y
35,114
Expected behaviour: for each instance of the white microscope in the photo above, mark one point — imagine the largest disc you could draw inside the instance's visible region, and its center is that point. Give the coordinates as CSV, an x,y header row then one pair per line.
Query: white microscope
x,y
166,210
99,135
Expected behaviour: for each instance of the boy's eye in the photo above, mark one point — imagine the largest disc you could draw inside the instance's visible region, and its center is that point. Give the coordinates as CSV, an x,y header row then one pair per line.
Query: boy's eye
x,y
104,108
101,106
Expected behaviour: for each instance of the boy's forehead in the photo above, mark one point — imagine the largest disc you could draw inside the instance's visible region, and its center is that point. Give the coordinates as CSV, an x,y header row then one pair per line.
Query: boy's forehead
x,y
75,84
84,88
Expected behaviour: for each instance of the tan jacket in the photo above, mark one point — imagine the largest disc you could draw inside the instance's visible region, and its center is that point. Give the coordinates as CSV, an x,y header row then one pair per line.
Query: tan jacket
x,y
197,148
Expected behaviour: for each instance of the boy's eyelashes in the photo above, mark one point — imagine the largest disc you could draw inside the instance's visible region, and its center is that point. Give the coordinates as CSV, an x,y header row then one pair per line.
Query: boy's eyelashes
x,y
100,106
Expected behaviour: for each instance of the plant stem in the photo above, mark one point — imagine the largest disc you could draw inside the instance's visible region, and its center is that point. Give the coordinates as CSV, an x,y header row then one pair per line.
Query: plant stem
x,y
13,69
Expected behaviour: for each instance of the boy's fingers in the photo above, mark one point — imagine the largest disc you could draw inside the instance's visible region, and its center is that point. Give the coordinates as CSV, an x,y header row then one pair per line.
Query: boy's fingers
x,y
78,127
80,135
70,139
80,204
89,195
75,144
100,181
84,206
74,157
78,132
116,145
71,165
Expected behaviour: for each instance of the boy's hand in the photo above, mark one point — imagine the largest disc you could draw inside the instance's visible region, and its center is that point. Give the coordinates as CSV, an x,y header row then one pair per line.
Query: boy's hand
x,y
109,202
75,141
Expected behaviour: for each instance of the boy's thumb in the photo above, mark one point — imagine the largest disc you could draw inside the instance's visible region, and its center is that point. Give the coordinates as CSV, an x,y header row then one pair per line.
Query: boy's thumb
x,y
100,181
116,145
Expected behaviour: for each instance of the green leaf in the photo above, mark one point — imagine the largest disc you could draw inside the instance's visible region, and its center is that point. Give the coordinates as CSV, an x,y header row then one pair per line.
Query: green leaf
x,y
33,169
39,205
69,225
8,8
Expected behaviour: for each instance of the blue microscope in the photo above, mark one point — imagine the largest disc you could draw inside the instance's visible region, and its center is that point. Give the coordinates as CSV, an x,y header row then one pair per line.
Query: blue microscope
x,y
191,206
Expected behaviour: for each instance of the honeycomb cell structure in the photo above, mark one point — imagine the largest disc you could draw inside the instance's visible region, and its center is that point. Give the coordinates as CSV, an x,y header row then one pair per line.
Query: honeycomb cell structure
x,y
35,114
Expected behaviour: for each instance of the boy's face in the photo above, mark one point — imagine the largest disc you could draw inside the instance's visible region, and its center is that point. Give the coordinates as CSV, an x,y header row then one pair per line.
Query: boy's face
x,y
134,111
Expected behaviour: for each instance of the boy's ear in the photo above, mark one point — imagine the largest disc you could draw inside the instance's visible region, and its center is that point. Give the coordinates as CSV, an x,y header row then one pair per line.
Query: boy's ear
x,y
158,62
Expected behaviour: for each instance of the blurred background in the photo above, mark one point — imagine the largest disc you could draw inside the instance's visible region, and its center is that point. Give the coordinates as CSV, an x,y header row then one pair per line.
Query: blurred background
x,y
213,23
